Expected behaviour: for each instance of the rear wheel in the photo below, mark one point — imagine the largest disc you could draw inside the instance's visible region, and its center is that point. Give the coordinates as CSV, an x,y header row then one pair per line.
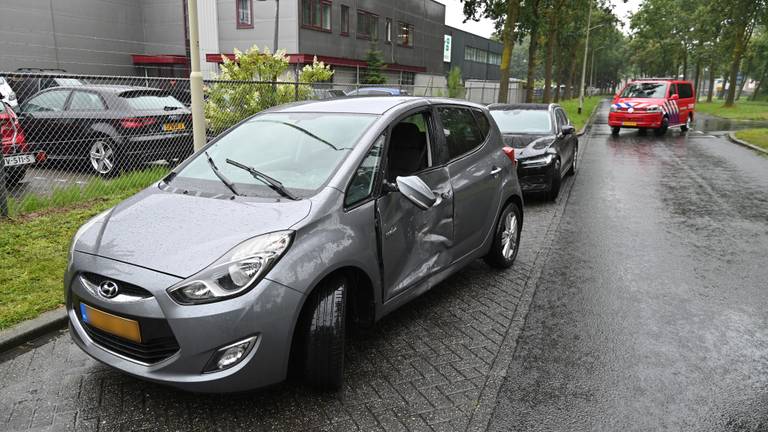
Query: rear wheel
x,y
506,240
103,157
15,175
323,335
664,126
687,126
615,130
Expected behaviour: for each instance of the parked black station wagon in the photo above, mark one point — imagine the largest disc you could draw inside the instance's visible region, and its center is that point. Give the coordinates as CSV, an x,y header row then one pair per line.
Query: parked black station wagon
x,y
112,127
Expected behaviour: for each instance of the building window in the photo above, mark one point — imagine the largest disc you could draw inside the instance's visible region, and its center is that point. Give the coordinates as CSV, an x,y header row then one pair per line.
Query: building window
x,y
244,13
344,20
481,56
316,14
367,25
407,78
388,30
405,34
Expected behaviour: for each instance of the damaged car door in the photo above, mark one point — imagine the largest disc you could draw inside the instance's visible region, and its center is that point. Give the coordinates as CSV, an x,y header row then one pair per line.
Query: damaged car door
x,y
415,243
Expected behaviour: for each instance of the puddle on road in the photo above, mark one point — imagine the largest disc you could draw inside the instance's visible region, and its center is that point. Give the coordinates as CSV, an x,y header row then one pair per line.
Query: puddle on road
x,y
715,124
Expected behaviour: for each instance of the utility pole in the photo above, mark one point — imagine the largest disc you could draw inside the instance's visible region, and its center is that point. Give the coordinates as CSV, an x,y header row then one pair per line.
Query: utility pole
x,y
277,25
195,77
584,63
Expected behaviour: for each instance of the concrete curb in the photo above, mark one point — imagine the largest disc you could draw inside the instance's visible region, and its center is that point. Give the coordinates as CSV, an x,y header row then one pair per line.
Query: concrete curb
x,y
732,137
588,124
31,329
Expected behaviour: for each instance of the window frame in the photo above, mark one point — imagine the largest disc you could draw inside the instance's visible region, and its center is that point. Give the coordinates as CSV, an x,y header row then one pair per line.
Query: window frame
x,y
344,22
433,161
367,36
388,31
377,178
411,30
441,128
310,25
71,97
242,24
48,92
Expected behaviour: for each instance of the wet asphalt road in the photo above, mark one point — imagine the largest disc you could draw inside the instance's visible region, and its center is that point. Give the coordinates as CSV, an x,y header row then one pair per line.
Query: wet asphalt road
x,y
652,310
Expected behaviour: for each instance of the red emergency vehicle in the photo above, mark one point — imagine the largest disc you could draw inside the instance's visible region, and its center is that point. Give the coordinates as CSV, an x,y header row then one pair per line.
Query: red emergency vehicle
x,y
653,103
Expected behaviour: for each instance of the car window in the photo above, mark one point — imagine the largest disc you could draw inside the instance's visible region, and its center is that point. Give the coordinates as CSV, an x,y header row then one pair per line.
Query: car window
x,y
645,90
672,89
86,101
47,102
300,150
562,120
462,133
482,122
361,186
685,91
409,146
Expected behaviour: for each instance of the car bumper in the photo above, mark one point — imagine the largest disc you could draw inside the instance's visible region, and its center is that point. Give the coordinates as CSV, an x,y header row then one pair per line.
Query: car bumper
x,y
634,120
267,312
535,179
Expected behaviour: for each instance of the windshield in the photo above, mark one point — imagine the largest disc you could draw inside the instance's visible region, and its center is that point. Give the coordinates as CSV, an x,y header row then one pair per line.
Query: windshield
x,y
645,90
522,121
299,150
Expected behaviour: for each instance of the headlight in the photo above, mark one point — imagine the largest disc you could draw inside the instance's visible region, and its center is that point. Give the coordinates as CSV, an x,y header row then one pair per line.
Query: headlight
x,y
234,273
538,161
614,109
653,109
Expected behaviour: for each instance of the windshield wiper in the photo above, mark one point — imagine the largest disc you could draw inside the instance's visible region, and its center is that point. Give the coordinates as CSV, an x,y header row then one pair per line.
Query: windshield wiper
x,y
269,181
227,182
301,129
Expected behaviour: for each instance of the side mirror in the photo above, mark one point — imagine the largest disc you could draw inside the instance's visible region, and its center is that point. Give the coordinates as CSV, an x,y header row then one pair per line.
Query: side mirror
x,y
568,129
674,97
416,191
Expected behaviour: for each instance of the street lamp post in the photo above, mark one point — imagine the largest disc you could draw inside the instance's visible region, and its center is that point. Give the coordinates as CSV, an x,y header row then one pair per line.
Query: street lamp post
x,y
277,24
584,63
195,78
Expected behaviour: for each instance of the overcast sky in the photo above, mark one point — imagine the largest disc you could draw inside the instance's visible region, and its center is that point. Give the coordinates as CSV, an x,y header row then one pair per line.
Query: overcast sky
x,y
454,15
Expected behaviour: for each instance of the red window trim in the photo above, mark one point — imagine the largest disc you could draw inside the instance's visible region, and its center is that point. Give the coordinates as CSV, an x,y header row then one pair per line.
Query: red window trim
x,y
366,36
312,11
240,24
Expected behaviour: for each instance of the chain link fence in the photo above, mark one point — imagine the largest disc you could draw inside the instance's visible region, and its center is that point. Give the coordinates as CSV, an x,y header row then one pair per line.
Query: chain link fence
x,y
69,137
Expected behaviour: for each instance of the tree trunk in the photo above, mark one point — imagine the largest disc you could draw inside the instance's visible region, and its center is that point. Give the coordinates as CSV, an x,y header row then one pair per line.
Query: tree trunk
x,y
711,88
532,48
725,83
551,41
760,83
513,9
697,79
685,62
745,75
738,52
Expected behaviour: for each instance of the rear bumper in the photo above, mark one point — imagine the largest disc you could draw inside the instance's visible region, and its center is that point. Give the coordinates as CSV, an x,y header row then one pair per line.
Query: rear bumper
x,y
634,120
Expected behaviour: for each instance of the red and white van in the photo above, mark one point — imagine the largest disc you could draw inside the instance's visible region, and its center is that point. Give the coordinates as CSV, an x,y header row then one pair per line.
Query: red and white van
x,y
655,103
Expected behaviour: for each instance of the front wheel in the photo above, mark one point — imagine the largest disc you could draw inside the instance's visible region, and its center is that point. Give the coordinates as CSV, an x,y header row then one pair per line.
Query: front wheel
x,y
574,161
664,126
506,240
323,335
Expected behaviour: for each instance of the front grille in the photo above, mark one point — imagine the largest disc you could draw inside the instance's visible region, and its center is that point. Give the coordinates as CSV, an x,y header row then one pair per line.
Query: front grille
x,y
125,287
158,342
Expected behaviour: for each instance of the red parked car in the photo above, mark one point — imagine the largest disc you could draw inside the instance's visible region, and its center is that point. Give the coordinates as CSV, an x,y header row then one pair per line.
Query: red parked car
x,y
655,103
17,154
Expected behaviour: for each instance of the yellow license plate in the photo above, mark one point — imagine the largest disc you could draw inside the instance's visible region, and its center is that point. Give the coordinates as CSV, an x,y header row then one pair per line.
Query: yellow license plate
x,y
171,127
629,123
113,324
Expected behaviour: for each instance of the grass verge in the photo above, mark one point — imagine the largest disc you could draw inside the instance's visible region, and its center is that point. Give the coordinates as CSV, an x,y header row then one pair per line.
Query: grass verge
x,y
33,246
743,110
571,107
758,136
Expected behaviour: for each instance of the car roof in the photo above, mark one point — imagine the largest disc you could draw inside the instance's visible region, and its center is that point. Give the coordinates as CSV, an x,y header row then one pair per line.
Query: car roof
x,y
519,106
108,88
365,104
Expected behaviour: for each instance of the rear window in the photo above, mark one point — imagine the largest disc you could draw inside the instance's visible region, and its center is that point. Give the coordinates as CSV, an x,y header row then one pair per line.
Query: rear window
x,y
149,101
528,121
654,90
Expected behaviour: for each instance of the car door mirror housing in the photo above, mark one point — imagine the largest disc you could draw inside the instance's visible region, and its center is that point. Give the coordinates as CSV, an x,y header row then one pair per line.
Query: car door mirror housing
x,y
568,129
416,191
674,97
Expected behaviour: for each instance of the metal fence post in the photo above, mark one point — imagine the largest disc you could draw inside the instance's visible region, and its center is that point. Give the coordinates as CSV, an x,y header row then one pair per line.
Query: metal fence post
x,y
195,78
3,190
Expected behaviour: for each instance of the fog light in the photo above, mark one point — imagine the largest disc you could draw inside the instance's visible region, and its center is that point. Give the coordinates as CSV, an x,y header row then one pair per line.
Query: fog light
x,y
230,355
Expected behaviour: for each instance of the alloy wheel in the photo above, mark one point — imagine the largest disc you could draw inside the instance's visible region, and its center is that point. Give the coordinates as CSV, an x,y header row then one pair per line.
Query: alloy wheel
x,y
102,157
509,236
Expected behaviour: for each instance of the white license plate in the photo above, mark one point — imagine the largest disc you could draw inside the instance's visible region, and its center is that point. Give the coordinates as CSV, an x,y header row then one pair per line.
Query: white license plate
x,y
19,160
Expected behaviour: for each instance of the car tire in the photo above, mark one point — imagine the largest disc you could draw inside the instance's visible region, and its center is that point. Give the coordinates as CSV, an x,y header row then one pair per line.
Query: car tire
x,y
642,131
574,161
103,157
663,128
14,176
506,238
323,335
554,188
615,130
687,126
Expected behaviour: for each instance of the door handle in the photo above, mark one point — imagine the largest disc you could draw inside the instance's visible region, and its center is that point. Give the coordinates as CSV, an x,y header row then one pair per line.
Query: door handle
x,y
495,171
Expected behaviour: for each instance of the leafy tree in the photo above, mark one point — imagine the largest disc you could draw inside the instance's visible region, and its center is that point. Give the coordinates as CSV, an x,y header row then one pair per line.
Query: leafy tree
x,y
375,62
455,86
227,103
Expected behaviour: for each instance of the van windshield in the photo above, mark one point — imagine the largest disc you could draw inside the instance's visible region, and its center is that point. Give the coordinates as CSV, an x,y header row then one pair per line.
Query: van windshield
x,y
655,90
299,150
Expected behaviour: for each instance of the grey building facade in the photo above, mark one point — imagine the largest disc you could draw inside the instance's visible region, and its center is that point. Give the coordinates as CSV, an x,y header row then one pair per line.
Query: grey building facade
x,y
477,57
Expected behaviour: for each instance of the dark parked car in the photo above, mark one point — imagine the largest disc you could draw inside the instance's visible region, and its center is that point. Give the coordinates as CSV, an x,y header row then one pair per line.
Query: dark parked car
x,y
27,82
251,256
377,91
112,127
544,141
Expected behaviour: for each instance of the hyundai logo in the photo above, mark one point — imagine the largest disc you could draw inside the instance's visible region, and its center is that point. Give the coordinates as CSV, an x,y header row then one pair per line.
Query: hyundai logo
x,y
108,289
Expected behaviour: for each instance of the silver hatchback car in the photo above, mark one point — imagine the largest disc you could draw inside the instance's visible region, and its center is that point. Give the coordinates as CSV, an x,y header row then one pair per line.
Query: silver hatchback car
x,y
263,248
